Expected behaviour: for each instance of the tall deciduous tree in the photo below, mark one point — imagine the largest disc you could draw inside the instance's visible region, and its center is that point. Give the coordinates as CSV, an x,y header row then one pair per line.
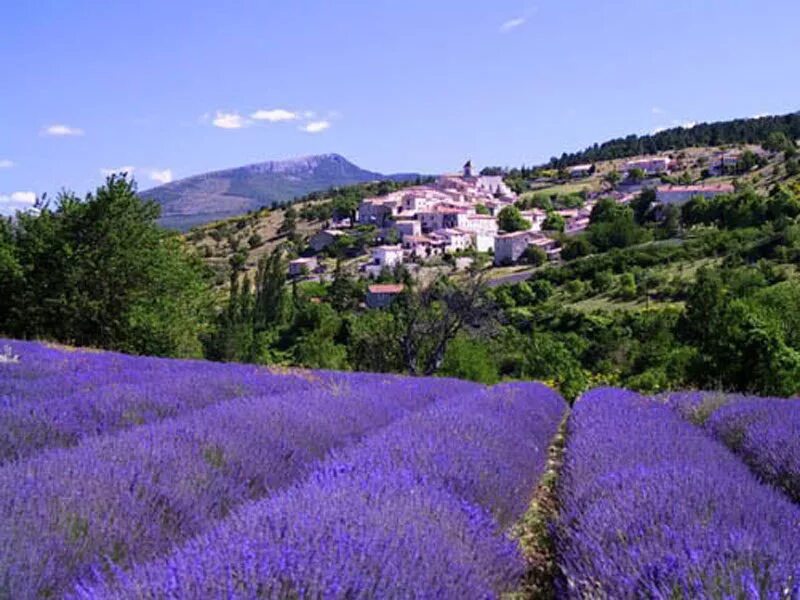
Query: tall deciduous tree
x,y
428,319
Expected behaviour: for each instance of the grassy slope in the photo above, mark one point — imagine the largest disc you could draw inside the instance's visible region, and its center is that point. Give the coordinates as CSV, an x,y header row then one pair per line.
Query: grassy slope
x,y
215,241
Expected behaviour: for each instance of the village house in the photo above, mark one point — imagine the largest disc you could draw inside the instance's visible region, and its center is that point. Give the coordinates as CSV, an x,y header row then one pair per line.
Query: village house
x,y
654,165
455,239
420,198
494,206
377,211
576,225
680,194
729,160
549,245
423,246
406,227
302,266
508,247
381,295
536,216
494,185
580,171
387,256
483,229
444,217
322,239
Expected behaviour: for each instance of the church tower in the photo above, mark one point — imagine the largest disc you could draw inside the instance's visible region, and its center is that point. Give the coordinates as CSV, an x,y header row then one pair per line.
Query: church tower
x,y
467,171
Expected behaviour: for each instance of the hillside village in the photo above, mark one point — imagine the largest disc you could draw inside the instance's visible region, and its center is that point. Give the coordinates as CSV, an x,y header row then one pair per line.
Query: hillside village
x,y
455,218
459,214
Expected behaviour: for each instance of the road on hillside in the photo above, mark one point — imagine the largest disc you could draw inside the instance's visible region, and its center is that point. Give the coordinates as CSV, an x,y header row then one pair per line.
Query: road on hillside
x,y
512,278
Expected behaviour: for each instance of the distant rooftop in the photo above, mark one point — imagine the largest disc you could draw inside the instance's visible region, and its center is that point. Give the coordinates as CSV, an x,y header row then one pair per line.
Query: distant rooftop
x,y
385,288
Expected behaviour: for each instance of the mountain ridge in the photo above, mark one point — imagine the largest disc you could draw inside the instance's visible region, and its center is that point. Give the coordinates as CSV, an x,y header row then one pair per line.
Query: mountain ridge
x,y
225,193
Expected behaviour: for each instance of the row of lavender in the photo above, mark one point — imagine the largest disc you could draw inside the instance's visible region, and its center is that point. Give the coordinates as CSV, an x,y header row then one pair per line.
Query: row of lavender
x,y
652,507
764,432
56,397
418,509
124,497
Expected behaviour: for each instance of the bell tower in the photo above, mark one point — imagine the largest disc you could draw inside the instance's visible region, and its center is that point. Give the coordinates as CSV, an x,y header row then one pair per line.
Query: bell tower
x,y
467,169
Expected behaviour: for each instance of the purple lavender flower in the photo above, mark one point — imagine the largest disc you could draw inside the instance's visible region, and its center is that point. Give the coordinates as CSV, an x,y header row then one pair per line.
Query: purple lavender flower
x,y
418,509
117,498
654,508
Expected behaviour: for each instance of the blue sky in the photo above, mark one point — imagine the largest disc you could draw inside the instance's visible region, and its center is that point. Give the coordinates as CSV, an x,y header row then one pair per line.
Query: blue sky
x,y
178,87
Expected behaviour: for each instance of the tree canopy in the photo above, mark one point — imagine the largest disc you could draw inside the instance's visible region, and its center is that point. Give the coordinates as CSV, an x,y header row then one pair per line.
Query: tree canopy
x,y
100,272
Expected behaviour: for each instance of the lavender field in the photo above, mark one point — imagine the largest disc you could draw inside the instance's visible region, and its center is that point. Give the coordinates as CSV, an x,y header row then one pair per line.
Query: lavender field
x,y
135,477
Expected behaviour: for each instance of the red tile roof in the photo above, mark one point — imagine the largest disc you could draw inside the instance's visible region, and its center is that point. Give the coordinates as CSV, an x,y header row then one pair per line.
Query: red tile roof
x,y
385,288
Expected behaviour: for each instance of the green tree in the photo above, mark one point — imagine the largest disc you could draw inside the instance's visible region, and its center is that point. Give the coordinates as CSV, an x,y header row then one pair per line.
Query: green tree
x,y
510,220
367,347
554,222
344,292
100,272
613,178
472,359
634,175
642,205
289,225
576,246
534,256
777,141
10,273
428,319
270,291
542,356
614,226
315,330
626,287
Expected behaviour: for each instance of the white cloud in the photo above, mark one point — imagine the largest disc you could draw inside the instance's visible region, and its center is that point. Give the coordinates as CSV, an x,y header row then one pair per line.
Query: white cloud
x,y
5,163
60,130
161,176
232,120
274,115
760,116
512,24
675,123
126,169
656,110
316,126
16,201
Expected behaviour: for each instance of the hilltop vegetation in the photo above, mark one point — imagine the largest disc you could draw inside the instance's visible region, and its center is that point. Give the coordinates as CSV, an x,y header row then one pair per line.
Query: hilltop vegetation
x,y
772,132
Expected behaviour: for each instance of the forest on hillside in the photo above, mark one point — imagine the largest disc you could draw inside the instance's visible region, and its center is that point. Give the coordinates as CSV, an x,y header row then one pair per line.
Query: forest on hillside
x,y
775,132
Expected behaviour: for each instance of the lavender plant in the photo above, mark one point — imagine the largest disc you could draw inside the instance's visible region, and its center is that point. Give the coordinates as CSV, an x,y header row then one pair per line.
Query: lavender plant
x,y
654,508
115,499
764,432
417,510
58,397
